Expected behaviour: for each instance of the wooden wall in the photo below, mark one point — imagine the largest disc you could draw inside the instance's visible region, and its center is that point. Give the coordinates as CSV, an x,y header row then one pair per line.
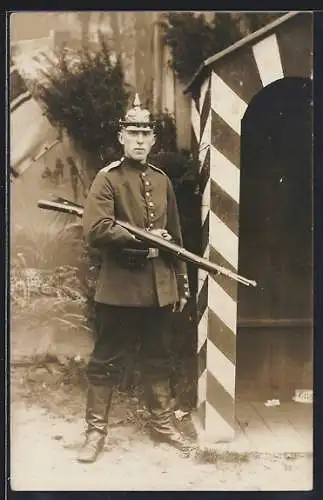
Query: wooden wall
x,y
273,361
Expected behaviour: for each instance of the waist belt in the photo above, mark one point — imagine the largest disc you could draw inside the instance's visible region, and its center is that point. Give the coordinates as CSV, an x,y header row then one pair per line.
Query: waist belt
x,y
148,253
136,258
152,253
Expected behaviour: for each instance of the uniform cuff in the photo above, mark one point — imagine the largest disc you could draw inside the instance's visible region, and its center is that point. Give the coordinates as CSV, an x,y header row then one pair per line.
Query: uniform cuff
x,y
183,285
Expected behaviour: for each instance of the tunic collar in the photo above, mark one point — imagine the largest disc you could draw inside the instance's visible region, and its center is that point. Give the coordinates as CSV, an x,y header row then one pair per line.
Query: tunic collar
x,y
135,164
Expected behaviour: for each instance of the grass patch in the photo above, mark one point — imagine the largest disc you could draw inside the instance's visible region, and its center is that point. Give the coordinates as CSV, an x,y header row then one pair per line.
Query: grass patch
x,y
212,456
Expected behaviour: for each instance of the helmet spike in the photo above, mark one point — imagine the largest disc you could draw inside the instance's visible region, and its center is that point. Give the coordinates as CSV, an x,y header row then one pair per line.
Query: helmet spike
x,y
136,102
137,116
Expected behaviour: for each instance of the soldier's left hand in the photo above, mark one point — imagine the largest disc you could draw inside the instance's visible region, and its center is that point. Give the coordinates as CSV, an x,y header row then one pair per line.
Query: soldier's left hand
x,y
179,306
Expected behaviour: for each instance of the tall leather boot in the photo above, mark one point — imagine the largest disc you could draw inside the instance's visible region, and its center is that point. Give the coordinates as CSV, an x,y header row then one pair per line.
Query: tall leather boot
x,y
158,396
97,409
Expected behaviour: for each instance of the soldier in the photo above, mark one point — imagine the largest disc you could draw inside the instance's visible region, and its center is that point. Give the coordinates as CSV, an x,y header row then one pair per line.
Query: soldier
x,y
137,287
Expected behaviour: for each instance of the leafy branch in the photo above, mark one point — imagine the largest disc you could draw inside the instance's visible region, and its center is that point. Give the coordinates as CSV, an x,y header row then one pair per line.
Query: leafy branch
x,y
192,39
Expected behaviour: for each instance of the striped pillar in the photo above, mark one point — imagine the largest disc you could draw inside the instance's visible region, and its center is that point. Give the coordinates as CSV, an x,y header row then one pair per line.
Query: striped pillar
x,y
216,119
202,293
217,296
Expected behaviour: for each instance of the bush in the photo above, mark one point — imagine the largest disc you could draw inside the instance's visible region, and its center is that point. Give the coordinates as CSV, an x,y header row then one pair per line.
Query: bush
x,y
84,93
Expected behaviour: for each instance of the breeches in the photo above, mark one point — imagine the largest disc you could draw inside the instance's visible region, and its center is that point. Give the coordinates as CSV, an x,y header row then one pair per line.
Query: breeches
x,y
144,332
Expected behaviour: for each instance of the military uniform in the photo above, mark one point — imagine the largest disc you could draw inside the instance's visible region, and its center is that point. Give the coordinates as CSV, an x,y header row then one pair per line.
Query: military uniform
x,y
142,195
136,289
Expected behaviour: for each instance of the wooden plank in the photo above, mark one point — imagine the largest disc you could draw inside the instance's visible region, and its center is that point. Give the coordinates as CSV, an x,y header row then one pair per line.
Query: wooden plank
x,y
286,437
257,432
241,441
301,418
283,429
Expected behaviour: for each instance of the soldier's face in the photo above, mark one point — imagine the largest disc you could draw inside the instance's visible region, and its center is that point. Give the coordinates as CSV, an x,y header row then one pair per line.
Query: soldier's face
x,y
137,142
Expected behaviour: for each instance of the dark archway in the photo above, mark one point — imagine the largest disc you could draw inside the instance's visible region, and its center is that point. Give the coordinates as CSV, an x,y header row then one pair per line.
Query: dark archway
x,y
276,216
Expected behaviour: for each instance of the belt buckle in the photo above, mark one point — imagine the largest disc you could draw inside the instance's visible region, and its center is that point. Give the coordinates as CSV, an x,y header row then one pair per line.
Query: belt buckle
x,y
152,253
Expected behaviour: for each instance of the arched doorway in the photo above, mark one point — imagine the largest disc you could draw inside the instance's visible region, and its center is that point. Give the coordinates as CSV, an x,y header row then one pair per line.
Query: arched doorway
x,y
276,220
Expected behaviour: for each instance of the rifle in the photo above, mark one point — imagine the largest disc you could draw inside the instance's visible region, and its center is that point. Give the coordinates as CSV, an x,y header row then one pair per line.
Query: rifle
x,y
65,206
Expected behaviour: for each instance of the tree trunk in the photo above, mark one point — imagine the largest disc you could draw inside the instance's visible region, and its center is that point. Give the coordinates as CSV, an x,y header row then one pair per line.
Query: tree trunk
x,y
116,32
84,20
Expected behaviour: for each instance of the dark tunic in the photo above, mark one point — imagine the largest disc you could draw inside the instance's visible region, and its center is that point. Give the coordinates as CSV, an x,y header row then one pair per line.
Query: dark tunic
x,y
143,196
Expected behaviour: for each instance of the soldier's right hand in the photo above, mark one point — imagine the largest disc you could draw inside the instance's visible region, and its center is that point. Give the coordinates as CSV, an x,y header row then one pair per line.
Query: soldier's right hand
x,y
162,233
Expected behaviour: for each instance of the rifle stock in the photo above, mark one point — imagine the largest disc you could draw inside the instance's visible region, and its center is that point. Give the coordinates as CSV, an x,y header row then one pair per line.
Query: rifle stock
x,y
181,253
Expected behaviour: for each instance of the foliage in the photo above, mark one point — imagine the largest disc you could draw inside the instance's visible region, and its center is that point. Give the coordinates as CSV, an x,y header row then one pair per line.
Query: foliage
x,y
192,39
165,131
62,314
256,20
53,298
85,94
180,166
48,246
43,288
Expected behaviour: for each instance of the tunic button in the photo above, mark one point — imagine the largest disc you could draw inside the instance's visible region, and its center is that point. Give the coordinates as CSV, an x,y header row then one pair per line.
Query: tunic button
x,y
151,204
151,225
152,214
147,183
144,174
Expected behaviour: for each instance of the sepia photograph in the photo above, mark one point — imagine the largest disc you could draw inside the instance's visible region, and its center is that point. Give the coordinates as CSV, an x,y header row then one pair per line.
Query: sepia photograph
x,y
161,250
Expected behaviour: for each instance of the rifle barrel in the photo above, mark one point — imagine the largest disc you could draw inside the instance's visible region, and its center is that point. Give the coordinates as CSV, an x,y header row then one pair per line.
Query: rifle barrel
x,y
159,242
64,207
183,254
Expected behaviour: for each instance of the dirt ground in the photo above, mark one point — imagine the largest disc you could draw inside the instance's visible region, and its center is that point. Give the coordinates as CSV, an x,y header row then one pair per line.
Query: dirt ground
x,y
47,431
